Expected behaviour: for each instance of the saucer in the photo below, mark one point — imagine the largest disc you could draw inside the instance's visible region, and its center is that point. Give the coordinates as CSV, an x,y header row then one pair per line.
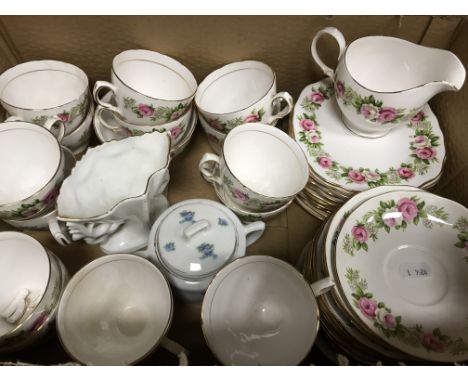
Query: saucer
x,y
244,214
107,135
400,259
412,155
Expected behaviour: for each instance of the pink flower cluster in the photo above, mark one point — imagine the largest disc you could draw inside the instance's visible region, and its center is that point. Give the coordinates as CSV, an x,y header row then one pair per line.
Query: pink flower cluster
x,y
360,233
325,162
408,209
64,117
308,124
238,194
382,114
317,97
339,88
418,118
175,132
251,118
422,147
145,110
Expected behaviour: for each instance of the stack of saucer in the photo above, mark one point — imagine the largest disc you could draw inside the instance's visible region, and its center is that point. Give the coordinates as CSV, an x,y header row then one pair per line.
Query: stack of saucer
x,y
398,258
342,163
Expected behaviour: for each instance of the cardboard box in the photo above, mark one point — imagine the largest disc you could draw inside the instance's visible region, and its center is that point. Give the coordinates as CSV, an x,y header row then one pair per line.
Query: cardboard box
x,y
204,44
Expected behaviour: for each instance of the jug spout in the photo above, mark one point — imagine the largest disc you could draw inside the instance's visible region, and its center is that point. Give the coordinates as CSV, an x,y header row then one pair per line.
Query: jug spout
x,y
452,74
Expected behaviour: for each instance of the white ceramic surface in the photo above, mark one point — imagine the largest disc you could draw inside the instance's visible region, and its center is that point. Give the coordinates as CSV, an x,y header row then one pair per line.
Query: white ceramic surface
x,y
241,92
37,90
261,167
412,155
31,170
250,318
80,137
149,88
115,311
400,261
383,82
194,239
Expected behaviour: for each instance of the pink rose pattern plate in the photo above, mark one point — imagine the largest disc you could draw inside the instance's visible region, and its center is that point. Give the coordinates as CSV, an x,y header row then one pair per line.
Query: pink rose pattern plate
x,y
407,219
419,164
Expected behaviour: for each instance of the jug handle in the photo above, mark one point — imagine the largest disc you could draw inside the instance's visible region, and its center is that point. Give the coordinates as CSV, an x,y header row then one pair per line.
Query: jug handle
x,y
334,32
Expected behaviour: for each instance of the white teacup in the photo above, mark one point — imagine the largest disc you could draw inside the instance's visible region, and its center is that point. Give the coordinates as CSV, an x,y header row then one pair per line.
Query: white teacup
x,y
78,140
115,311
148,87
261,168
32,167
241,92
36,91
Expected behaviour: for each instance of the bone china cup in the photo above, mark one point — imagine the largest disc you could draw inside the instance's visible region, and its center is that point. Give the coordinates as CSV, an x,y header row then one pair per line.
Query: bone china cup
x,y
32,167
241,92
32,280
115,311
38,90
261,168
382,82
149,88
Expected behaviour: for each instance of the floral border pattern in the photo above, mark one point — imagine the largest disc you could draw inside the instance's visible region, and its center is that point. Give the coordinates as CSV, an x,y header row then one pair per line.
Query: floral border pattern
x,y
390,215
422,148
28,210
161,113
392,326
175,131
461,225
370,108
254,116
66,116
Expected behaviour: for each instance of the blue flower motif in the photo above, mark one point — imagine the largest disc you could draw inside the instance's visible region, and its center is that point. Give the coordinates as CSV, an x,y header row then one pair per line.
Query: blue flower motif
x,y
222,222
170,247
187,216
207,251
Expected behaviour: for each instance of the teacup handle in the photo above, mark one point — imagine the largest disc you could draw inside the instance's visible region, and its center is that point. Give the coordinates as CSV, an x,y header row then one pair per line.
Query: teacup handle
x,y
16,308
58,234
322,286
208,165
114,128
282,96
98,86
49,124
176,349
253,232
334,32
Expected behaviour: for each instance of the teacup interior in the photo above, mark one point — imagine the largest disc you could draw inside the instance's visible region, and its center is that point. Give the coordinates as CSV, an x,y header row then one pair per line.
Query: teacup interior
x,y
388,64
236,90
115,313
269,164
24,264
153,79
43,89
29,159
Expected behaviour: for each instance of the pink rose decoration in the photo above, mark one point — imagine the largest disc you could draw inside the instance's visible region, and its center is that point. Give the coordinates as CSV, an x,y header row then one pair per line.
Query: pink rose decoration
x,y
325,162
408,209
215,124
51,196
390,222
317,97
251,118
314,138
389,321
238,194
356,176
145,110
64,117
340,89
418,118
175,115
405,172
369,111
431,342
360,234
387,114
421,141
372,176
367,307
175,131
426,153
308,125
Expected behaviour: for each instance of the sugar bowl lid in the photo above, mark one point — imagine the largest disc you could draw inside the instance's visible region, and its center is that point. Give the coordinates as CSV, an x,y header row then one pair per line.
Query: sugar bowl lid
x,y
196,237
259,310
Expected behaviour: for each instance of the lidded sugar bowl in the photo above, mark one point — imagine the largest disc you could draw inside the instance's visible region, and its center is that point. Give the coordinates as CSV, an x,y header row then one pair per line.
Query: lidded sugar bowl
x,y
192,240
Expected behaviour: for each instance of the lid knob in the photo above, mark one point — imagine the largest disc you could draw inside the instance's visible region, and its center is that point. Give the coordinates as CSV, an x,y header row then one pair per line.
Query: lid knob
x,y
195,228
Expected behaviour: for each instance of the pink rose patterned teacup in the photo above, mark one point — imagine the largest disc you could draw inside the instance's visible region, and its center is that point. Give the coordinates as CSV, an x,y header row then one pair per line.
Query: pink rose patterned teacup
x,y
382,82
36,91
261,168
241,92
149,88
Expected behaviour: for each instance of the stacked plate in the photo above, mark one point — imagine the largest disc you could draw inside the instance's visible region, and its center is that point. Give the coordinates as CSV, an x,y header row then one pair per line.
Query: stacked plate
x,y
399,260
342,163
